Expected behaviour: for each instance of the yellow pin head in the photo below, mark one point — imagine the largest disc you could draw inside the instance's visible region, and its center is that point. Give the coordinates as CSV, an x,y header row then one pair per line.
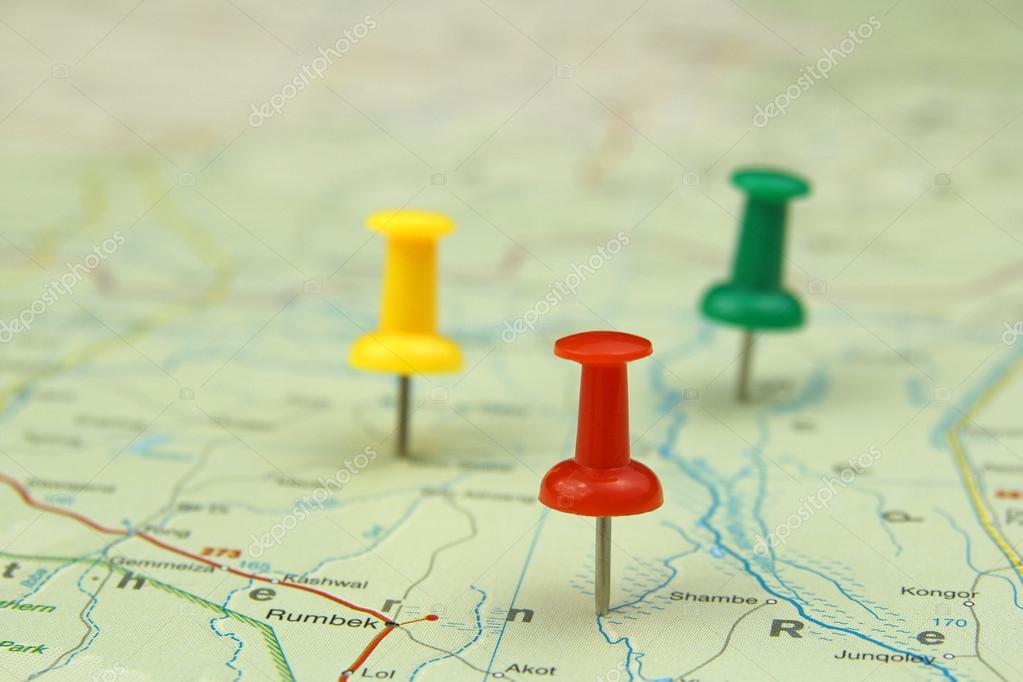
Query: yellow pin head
x,y
410,224
407,341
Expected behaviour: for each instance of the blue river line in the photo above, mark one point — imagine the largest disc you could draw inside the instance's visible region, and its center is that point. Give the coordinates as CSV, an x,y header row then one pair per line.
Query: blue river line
x,y
969,557
239,645
813,392
705,521
93,601
382,534
518,586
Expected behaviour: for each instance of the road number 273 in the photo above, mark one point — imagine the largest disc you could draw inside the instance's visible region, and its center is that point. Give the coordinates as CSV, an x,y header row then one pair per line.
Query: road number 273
x,y
221,552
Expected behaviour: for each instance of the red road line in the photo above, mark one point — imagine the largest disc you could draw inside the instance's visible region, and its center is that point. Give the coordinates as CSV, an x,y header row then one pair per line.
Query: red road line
x,y
376,640
42,506
254,576
365,654
121,532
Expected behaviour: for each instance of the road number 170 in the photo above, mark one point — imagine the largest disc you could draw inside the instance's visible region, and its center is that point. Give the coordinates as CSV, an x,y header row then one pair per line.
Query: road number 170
x,y
949,622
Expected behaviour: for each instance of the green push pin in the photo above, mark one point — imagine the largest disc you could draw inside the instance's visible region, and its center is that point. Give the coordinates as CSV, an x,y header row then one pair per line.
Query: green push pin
x,y
754,298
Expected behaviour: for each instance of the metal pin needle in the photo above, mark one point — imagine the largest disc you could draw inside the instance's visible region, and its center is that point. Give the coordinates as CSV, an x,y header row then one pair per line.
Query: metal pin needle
x,y
602,568
404,389
745,359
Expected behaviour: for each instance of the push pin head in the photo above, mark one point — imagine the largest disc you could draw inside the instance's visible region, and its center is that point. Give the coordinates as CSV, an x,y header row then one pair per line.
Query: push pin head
x,y
754,297
407,341
602,479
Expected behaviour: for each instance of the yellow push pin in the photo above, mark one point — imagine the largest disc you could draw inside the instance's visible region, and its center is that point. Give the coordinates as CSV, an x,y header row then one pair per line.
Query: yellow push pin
x,y
407,341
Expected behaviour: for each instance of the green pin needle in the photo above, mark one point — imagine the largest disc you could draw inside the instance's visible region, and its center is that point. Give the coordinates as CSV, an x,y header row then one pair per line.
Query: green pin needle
x,y
754,298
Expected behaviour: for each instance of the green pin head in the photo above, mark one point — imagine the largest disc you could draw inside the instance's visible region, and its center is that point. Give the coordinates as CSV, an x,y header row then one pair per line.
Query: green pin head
x,y
754,297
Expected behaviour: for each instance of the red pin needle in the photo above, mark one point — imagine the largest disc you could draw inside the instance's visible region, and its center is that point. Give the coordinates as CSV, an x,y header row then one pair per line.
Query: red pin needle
x,y
602,480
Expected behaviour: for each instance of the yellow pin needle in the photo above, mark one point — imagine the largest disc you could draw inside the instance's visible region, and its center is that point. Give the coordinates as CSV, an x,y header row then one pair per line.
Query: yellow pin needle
x,y
407,341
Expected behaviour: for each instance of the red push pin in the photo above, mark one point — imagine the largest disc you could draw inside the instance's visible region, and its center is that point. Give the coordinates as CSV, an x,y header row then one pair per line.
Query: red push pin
x,y
602,480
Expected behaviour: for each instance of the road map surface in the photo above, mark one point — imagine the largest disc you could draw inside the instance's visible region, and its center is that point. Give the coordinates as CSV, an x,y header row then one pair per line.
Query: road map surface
x,y
195,485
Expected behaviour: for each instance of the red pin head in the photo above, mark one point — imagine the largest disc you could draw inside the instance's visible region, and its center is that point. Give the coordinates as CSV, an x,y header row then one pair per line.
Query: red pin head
x,y
602,479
